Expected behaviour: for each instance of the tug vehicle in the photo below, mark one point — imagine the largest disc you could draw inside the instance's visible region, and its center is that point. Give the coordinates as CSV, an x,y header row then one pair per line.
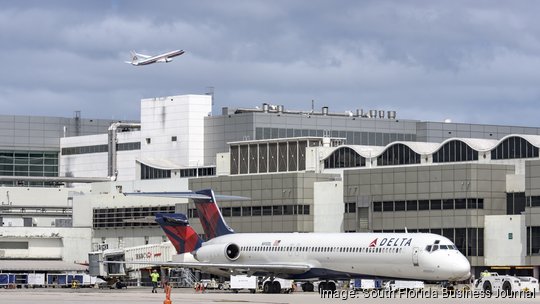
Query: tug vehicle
x,y
492,282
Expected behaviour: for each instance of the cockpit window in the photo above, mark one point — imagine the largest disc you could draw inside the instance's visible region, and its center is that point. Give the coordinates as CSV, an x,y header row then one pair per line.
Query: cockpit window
x,y
428,248
443,247
435,247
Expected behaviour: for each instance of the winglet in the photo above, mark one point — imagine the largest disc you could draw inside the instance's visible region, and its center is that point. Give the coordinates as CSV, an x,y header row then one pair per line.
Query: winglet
x,y
178,230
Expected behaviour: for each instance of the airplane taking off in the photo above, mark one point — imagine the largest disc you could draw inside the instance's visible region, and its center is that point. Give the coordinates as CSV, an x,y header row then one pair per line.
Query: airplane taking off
x,y
140,59
307,256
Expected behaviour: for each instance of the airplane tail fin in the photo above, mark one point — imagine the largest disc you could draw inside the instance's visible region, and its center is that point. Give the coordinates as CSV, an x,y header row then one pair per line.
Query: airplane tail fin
x,y
211,218
134,57
183,237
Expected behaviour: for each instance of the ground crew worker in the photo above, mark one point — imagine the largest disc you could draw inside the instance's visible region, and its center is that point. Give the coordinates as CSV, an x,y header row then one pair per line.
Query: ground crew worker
x,y
155,278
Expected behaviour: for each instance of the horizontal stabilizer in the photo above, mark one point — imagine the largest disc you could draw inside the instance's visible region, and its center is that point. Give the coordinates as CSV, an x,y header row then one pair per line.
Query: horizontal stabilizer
x,y
187,194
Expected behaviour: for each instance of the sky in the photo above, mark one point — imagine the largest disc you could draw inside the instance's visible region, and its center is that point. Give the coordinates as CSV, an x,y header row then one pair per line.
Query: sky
x,y
468,61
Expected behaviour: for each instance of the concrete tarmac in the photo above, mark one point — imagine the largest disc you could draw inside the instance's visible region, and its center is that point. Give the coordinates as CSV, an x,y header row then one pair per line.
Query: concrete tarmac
x,y
187,295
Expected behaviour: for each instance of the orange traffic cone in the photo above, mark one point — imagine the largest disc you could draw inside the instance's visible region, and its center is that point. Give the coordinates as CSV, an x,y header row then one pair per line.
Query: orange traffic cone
x,y
168,290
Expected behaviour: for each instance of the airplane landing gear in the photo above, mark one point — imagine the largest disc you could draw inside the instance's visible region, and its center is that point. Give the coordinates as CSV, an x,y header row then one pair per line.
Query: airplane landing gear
x,y
331,286
308,286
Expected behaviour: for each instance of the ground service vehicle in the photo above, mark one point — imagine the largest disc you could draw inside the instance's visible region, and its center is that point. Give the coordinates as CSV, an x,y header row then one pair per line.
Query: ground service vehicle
x,y
253,283
213,284
492,281
239,282
365,284
398,285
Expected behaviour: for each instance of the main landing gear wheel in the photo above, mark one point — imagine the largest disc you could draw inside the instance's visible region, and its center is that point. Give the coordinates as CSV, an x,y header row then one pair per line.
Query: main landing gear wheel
x,y
307,286
331,286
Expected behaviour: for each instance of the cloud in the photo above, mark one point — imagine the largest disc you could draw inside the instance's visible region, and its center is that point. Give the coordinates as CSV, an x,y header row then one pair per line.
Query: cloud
x,y
471,61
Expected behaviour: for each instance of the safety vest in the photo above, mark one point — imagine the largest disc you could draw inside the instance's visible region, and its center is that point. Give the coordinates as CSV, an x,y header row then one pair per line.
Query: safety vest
x,y
154,276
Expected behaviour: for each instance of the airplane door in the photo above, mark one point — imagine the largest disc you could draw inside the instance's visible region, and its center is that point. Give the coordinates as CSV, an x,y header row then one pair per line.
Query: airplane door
x,y
415,256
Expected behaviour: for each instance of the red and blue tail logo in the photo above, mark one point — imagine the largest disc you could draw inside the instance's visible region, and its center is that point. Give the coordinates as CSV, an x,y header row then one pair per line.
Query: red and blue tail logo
x,y
211,219
178,230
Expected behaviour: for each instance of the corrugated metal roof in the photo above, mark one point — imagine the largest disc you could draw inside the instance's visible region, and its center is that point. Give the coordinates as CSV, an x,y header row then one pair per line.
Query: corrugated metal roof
x,y
39,265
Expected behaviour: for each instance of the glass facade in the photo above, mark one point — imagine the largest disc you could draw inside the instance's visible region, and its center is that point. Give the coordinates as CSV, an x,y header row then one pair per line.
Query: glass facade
x,y
101,148
270,157
148,172
344,157
126,217
194,172
533,240
435,204
352,137
514,147
470,241
28,163
398,154
515,202
455,151
259,210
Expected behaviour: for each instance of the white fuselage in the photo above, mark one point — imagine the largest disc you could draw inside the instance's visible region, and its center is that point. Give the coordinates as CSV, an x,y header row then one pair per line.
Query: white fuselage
x,y
140,59
346,255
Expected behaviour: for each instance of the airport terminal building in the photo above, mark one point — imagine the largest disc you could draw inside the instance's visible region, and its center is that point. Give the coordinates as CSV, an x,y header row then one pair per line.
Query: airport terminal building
x,y
304,171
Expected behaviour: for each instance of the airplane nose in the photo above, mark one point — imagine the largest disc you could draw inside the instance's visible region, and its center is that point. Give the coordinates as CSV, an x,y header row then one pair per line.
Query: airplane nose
x,y
462,269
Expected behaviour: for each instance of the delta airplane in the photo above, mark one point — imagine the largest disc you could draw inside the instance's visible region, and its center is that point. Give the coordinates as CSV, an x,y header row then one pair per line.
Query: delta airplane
x,y
307,256
140,59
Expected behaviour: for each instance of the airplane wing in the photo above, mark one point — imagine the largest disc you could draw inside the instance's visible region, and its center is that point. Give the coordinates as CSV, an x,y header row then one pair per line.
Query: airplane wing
x,y
143,56
234,269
